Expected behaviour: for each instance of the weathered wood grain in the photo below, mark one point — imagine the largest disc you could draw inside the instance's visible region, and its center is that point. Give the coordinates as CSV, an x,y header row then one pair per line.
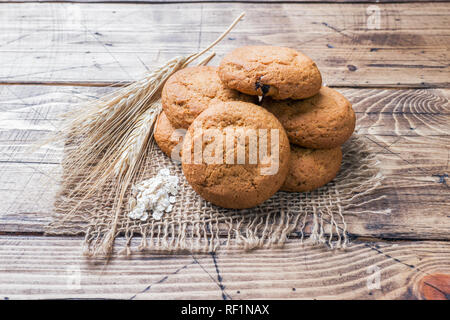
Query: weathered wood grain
x,y
206,1
97,44
408,129
40,267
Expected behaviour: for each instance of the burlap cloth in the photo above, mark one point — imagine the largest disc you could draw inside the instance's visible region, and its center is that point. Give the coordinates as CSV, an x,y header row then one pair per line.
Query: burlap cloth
x,y
198,226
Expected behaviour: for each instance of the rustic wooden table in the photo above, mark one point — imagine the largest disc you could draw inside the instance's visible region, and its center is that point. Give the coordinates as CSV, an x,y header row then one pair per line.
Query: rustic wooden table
x,y
390,59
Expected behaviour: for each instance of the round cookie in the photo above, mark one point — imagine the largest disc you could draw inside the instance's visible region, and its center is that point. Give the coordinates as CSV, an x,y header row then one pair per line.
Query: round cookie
x,y
229,180
310,169
324,121
278,72
191,90
167,137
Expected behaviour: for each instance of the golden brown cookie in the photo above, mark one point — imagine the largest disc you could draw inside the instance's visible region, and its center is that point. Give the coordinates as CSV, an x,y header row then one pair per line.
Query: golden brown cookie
x,y
324,121
223,161
278,72
310,169
167,137
191,90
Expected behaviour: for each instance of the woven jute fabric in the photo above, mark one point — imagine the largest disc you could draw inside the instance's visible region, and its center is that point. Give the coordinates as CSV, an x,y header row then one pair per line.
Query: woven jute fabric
x,y
198,226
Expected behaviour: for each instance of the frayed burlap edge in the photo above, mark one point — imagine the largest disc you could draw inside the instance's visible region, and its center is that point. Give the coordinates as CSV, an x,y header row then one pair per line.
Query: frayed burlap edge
x,y
198,226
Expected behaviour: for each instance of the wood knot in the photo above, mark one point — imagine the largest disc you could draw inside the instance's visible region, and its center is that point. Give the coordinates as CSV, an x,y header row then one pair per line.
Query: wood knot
x,y
435,287
352,67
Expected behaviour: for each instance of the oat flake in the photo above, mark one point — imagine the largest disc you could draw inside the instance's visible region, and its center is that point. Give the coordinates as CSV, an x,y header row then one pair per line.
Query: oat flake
x,y
156,195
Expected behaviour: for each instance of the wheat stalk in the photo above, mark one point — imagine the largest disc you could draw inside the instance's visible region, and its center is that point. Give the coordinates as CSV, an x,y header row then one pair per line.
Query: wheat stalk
x,y
131,157
131,149
118,130
102,130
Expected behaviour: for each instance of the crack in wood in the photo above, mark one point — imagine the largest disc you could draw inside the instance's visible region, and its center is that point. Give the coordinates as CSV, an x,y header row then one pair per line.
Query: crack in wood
x,y
445,294
442,178
219,277
336,30
218,283
163,279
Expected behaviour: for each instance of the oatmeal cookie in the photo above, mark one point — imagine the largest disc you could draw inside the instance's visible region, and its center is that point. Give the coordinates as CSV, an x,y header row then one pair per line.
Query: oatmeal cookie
x,y
324,121
310,169
221,161
278,72
167,137
191,90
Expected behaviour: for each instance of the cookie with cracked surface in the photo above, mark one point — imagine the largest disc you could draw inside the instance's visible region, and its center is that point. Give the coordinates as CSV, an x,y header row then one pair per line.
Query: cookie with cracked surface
x,y
191,90
278,72
235,154
310,169
168,138
324,121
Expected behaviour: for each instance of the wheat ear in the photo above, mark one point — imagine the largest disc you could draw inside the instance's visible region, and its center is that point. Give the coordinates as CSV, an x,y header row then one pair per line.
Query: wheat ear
x,y
114,135
132,156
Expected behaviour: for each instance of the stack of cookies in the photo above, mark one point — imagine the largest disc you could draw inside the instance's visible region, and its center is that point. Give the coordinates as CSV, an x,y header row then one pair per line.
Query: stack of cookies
x,y
258,123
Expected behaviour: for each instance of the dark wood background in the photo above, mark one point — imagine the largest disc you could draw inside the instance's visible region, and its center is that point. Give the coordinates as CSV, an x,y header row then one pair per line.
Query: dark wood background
x,y
55,54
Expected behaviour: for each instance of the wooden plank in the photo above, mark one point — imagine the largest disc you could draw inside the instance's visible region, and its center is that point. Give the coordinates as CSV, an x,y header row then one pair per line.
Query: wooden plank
x,y
97,44
207,1
413,140
408,129
41,267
